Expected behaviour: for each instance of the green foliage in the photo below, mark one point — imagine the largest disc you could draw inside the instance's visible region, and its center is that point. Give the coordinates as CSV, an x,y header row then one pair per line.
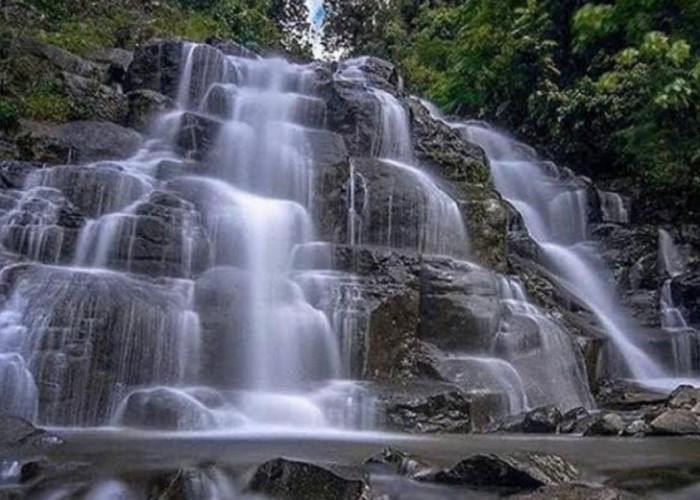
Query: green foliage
x,y
9,114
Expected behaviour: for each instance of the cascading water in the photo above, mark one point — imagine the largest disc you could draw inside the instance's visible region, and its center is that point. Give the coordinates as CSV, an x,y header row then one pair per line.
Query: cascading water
x,y
685,341
95,339
554,211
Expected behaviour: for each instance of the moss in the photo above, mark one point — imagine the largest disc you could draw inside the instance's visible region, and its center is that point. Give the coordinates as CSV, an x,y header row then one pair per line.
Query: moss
x,y
9,113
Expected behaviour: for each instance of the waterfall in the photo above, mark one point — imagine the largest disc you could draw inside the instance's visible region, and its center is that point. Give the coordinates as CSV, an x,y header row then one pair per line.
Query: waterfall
x,y
181,293
554,210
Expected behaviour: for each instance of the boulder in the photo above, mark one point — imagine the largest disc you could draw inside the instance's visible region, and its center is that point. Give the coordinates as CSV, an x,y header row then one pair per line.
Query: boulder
x,y
676,422
460,306
166,409
60,59
100,101
231,48
197,135
542,420
606,424
684,397
144,107
20,437
14,173
446,412
291,480
156,66
509,472
575,421
78,141
396,462
117,61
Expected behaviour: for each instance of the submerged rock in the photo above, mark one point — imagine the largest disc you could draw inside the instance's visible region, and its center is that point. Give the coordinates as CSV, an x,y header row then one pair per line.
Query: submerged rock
x,y
517,471
606,424
290,480
446,412
20,436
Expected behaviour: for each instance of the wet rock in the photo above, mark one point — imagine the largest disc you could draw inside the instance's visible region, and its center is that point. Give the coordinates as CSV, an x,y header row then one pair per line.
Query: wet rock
x,y
291,480
14,173
575,421
606,424
626,395
196,135
144,106
446,412
164,409
156,67
685,290
105,318
460,306
574,491
510,472
676,422
163,236
21,437
93,189
684,397
397,462
542,420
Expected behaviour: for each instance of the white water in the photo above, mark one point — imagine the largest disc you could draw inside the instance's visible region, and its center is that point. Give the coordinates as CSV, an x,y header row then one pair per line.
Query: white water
x,y
280,358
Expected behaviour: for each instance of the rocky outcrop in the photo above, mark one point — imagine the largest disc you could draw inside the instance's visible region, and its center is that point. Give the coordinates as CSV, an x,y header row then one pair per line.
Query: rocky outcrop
x,y
21,438
144,106
156,67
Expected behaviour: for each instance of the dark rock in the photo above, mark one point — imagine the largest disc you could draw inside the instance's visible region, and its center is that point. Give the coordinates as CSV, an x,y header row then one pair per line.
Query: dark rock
x,y
290,480
163,408
542,420
14,173
676,422
21,437
606,424
575,421
78,142
94,189
162,236
510,472
144,106
626,395
197,135
460,306
685,291
78,362
157,67
447,412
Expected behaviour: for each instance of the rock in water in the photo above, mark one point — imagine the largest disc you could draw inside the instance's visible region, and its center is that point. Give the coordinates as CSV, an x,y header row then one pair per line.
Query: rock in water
x,y
542,420
676,422
289,480
517,471
19,436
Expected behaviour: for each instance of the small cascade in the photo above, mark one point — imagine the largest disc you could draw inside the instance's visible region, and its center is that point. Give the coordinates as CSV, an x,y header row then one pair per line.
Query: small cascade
x,y
553,208
435,222
613,207
685,341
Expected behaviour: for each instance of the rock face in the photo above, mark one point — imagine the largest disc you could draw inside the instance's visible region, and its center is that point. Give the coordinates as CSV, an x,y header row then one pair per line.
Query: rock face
x,y
156,67
21,437
290,480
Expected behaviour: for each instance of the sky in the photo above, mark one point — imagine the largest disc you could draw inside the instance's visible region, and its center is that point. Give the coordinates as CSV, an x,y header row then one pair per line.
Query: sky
x,y
316,14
